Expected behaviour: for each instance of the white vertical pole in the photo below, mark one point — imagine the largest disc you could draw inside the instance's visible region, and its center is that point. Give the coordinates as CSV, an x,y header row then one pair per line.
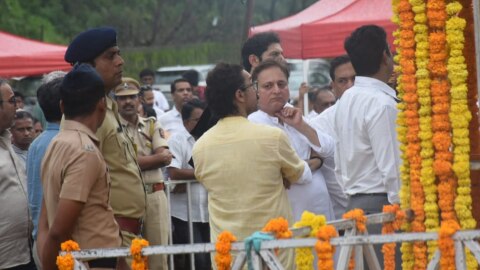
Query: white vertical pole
x,y
476,21
305,79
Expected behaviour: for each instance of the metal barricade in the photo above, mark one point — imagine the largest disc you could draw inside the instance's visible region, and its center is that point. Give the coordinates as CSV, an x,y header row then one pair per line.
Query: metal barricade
x,y
171,183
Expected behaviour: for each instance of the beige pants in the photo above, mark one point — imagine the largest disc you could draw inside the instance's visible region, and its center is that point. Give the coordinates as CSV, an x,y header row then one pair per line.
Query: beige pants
x,y
156,227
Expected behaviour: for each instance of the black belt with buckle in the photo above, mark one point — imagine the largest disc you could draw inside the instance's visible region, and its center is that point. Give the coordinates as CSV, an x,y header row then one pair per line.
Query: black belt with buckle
x,y
103,263
369,194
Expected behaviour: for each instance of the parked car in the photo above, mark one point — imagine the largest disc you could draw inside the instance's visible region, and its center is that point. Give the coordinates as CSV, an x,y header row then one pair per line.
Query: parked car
x,y
164,77
317,70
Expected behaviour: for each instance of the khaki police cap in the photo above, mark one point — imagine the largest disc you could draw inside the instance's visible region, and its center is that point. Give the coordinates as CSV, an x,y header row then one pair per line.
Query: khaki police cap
x,y
128,87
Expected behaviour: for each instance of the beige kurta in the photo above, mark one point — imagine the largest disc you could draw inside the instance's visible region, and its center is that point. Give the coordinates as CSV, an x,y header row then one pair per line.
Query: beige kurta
x,y
242,166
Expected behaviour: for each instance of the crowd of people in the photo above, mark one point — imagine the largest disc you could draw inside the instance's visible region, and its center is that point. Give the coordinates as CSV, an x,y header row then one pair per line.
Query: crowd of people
x,y
96,172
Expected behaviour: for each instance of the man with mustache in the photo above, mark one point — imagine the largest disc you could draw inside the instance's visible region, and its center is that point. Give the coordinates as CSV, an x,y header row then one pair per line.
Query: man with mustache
x,y
98,47
153,154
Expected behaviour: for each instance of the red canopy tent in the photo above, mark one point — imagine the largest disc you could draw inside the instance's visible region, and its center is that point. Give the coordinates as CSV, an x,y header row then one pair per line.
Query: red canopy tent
x,y
25,57
320,30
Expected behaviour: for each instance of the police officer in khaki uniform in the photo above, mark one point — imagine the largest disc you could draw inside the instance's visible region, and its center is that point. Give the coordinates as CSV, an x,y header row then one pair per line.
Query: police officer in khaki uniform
x,y
98,47
153,154
75,179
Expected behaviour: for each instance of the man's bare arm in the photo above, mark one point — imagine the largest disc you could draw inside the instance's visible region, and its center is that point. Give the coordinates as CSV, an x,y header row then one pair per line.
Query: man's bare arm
x,y
61,230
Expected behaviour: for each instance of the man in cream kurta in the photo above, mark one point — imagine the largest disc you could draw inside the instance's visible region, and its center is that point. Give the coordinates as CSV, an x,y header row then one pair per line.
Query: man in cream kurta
x,y
243,165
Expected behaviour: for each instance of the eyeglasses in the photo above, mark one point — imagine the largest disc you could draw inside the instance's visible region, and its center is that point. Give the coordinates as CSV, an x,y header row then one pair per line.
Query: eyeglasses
x,y
12,100
243,88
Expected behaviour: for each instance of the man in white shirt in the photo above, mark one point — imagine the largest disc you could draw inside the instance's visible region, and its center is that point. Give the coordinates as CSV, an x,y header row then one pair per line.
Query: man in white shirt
x,y
343,76
367,154
321,99
181,145
271,80
147,77
171,121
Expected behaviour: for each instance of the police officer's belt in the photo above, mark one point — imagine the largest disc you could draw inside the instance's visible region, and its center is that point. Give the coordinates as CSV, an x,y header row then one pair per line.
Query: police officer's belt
x,y
151,188
131,225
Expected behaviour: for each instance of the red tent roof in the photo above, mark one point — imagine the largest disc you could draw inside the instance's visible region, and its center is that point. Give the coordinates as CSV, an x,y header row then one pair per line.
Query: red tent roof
x,y
320,30
23,57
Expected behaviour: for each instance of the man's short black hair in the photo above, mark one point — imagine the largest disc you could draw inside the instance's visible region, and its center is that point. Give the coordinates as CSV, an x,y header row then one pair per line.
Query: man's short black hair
x,y
192,76
173,86
146,72
257,45
365,47
316,90
48,96
269,63
143,89
82,89
222,83
18,95
191,105
21,114
336,62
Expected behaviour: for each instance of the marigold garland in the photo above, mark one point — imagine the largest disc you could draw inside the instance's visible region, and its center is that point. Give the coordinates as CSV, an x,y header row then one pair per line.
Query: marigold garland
x,y
67,262
279,227
427,176
460,118
303,255
388,249
409,84
223,258
360,224
446,244
407,247
139,261
324,249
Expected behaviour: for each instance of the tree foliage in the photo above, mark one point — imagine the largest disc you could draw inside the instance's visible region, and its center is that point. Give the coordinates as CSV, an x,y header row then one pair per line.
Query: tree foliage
x,y
145,25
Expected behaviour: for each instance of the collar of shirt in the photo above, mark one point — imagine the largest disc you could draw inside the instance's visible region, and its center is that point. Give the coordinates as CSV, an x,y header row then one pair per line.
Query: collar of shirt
x,y
372,83
110,102
74,125
52,126
175,112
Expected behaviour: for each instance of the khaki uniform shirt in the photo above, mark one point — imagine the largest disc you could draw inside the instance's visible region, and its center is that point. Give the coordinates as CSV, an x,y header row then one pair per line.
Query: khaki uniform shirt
x,y
147,137
73,168
15,224
128,194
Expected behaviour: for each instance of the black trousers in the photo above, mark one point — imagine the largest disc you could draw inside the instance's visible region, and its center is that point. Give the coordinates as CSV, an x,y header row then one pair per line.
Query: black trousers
x,y
201,234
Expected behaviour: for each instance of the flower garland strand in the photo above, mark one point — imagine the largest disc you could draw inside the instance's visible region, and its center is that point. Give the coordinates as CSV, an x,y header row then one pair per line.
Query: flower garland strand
x,y
139,261
460,118
388,249
436,13
279,227
406,247
427,176
223,258
446,244
459,115
67,262
409,84
360,224
303,255
324,249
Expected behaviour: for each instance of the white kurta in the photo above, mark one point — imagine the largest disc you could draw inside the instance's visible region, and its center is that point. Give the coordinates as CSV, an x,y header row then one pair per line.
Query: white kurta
x,y
311,195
